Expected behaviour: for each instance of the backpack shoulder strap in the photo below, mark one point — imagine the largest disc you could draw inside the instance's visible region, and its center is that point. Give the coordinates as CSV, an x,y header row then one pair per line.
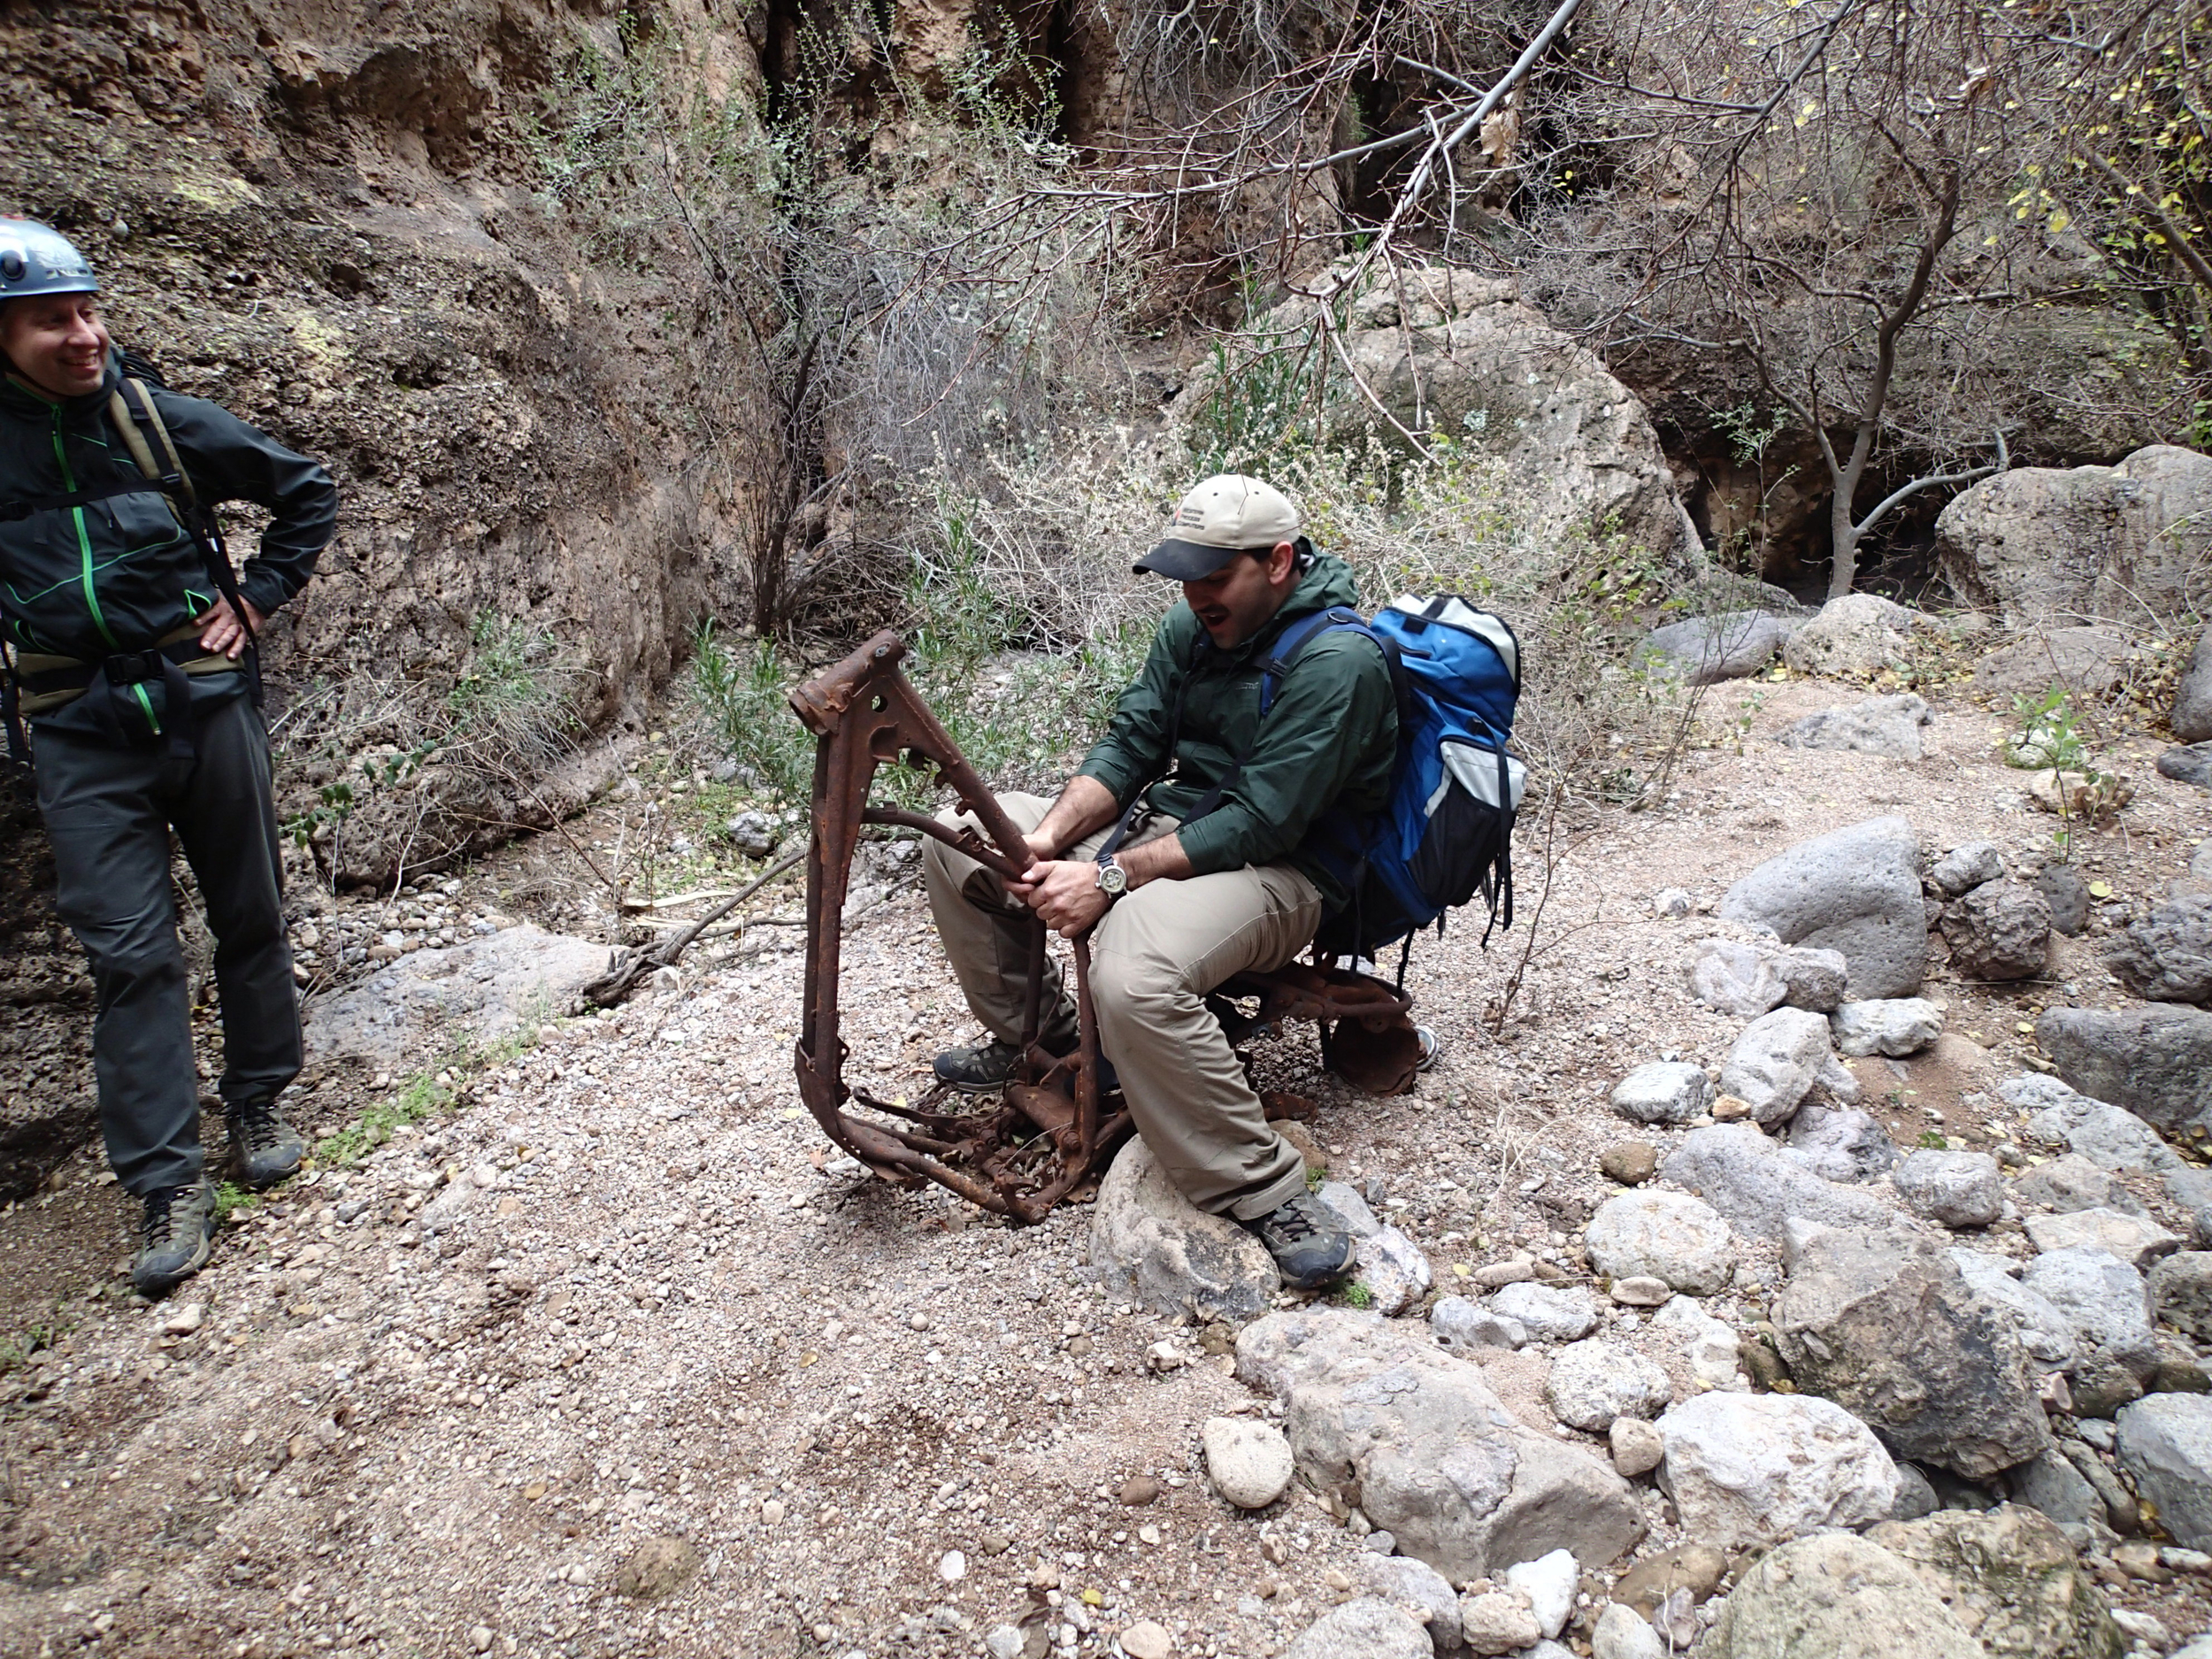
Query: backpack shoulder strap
x,y
1295,639
131,406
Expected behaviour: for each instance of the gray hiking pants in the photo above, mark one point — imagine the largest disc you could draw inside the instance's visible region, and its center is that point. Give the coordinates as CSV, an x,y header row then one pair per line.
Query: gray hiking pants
x,y
1153,957
108,812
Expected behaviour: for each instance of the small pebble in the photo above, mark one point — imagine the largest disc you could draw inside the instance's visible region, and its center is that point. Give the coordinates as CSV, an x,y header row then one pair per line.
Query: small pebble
x,y
184,1320
952,1566
1139,1490
1642,1290
1145,1640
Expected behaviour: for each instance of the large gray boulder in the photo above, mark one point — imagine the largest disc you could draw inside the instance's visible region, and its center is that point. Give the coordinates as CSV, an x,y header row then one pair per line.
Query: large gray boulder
x,y
2131,1235
1705,650
2165,1441
2166,956
2105,1301
1855,637
2045,1330
1882,1323
1887,727
2186,763
426,1002
2155,1061
2011,1578
1757,1187
1451,352
1758,1469
2072,1182
1835,1595
1778,1059
2048,544
1153,1246
1439,1461
2181,1293
2193,697
2108,1136
2079,661
1855,890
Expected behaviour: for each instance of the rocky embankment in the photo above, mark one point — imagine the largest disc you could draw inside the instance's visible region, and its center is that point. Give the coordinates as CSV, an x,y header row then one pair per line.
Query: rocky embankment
x,y
1828,1210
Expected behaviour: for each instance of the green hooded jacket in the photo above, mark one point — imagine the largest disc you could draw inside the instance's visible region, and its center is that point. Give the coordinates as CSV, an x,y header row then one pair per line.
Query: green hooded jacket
x,y
1331,738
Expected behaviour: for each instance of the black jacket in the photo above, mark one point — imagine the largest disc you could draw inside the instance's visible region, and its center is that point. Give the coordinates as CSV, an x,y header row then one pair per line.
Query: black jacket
x,y
119,574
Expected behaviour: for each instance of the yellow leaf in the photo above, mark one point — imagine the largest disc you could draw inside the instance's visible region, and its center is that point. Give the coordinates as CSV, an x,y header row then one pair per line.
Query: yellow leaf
x,y
2024,1025
2060,220
1093,1598
1462,1270
2100,889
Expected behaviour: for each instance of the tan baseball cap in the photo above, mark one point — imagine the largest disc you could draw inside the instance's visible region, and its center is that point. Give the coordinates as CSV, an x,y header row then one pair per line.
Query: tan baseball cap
x,y
1226,514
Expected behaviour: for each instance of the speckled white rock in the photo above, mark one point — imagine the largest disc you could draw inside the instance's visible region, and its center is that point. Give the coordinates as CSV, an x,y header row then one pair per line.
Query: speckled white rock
x,y
1669,1236
1622,1632
1249,1461
1664,1092
1758,1469
1497,1622
1545,1313
1896,1026
1708,1344
1549,1584
1595,1381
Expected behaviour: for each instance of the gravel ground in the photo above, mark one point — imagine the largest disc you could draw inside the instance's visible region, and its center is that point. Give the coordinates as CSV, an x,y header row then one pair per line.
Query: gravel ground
x,y
624,1291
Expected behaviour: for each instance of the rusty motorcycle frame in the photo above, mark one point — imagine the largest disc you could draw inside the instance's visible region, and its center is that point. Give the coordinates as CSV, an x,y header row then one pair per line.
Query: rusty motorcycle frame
x,y
1055,1129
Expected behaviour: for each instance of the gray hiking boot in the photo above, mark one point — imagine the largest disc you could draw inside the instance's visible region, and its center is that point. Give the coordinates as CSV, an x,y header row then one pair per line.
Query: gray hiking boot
x,y
264,1148
176,1238
983,1070
1309,1244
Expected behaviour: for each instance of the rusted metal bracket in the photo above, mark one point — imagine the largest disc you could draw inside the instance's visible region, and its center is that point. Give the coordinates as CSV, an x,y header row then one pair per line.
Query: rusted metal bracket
x,y
1055,1130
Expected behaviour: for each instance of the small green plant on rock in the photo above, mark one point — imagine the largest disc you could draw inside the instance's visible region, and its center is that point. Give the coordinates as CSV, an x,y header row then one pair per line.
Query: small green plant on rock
x,y
2048,734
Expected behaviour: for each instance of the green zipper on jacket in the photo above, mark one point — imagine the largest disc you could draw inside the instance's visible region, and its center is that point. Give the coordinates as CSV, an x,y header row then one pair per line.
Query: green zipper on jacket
x,y
84,547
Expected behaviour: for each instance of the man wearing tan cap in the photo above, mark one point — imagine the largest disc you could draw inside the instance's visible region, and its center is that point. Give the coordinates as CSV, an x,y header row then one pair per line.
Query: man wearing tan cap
x,y
1213,877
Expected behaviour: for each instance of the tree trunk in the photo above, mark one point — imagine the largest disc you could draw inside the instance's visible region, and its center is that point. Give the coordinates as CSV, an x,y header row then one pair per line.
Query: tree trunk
x,y
1844,566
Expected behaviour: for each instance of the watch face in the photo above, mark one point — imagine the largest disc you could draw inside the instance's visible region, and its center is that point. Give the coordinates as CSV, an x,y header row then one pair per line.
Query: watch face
x,y
1113,880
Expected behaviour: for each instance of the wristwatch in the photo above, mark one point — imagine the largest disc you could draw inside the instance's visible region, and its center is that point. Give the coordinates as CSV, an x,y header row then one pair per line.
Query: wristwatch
x,y
1113,880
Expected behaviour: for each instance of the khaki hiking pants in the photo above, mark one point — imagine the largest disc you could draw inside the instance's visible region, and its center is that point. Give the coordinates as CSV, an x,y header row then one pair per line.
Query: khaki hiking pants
x,y
1154,957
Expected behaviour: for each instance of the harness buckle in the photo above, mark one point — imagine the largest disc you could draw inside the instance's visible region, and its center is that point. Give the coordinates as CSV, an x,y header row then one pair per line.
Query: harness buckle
x,y
133,668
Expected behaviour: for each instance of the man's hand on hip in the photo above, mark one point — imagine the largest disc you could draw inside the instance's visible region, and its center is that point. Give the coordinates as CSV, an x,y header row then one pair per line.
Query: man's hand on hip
x,y
220,630
1064,891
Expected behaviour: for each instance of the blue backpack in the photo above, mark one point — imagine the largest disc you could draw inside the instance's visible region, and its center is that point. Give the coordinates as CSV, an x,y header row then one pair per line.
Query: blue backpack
x,y
1447,831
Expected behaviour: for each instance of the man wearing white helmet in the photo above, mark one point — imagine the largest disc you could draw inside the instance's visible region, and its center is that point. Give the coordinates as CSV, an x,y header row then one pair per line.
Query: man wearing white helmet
x,y
130,643
1217,875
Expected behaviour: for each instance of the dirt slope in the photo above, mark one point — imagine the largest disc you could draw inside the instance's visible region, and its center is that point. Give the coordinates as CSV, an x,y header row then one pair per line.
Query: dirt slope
x,y
659,1314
